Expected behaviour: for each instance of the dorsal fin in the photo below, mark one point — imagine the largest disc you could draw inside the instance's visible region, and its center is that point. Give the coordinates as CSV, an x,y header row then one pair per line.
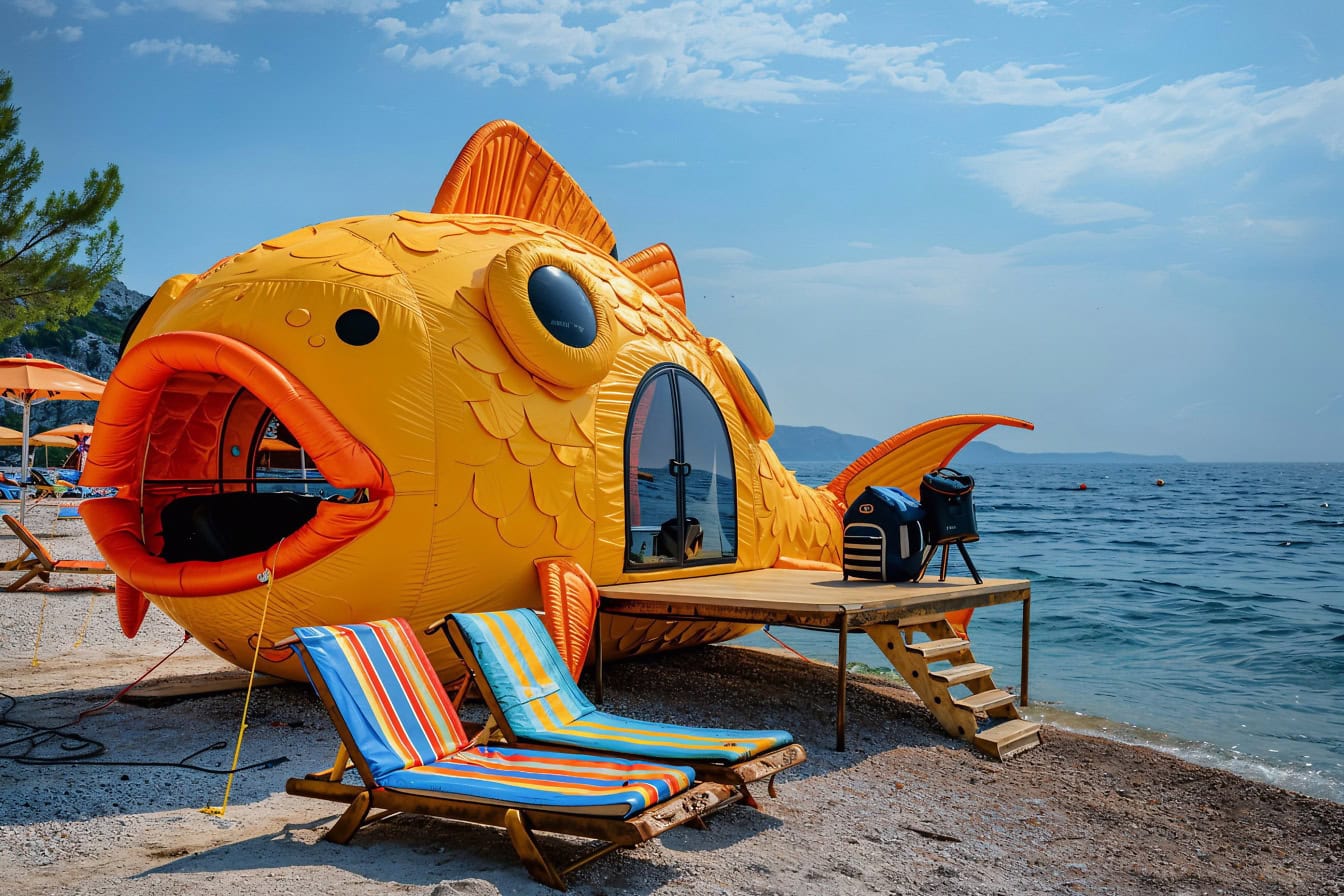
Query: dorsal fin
x,y
657,267
503,171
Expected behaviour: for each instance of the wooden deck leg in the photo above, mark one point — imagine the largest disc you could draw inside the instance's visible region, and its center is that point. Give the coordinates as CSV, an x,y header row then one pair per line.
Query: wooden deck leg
x,y
526,846
841,681
747,797
770,787
354,816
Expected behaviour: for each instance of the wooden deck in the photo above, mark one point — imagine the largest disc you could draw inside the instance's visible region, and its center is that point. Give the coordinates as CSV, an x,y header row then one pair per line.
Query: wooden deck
x,y
813,600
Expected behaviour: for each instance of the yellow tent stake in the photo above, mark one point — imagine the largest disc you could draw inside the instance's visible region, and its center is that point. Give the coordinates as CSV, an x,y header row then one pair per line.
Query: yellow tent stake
x,y
269,578
83,629
41,618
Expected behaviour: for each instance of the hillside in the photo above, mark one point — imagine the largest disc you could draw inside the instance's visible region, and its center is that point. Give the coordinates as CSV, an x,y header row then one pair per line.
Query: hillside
x,y
88,344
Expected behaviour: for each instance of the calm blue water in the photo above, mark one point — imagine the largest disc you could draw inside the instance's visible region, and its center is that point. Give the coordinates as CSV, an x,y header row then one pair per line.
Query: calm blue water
x,y
1205,617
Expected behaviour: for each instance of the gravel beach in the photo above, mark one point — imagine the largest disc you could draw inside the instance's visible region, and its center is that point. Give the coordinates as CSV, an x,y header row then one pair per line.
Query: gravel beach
x,y
904,810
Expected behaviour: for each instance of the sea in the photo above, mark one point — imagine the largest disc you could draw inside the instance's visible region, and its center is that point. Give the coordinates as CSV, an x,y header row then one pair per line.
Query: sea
x,y
1203,617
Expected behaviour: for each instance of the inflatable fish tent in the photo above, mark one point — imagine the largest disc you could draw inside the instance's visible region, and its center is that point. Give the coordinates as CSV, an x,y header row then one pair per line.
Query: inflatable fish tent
x,y
476,386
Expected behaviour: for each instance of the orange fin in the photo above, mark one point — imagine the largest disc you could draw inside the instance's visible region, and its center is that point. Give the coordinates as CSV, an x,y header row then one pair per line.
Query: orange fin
x,y
569,602
131,607
905,457
657,267
503,171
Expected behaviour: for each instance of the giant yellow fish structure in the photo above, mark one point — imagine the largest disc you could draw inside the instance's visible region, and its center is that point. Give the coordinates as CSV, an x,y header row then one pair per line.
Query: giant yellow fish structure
x,y
484,384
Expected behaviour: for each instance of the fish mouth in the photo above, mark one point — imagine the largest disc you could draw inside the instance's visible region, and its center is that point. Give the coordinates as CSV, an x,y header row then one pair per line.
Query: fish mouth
x,y
180,428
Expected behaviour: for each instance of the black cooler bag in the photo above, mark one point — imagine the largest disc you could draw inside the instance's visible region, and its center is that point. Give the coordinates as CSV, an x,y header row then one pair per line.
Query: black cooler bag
x,y
883,538
949,512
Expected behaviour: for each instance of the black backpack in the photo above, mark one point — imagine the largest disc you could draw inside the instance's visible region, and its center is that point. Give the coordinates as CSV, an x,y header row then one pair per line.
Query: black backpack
x,y
883,536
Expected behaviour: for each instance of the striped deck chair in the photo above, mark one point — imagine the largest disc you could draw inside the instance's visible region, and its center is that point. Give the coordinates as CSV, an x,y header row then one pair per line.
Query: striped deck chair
x,y
401,733
534,700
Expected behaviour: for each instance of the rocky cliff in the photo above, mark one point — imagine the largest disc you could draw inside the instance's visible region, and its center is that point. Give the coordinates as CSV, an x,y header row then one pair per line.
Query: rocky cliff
x,y
88,344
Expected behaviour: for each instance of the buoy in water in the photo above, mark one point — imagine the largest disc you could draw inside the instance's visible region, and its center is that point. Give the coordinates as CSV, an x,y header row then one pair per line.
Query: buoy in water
x,y
1161,482
1082,486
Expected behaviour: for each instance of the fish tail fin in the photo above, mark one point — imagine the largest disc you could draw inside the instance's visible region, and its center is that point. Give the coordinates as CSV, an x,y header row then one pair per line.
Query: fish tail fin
x,y
905,457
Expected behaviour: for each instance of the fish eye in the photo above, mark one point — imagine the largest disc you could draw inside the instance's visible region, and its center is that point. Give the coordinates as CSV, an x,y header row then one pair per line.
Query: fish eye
x,y
755,383
550,311
562,306
357,327
745,389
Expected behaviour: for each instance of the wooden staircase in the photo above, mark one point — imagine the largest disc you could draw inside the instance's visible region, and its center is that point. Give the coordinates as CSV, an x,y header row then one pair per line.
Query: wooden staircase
x,y
987,717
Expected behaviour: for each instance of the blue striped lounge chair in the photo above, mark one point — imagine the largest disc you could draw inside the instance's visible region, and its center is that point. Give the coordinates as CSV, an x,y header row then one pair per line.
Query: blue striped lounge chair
x,y
401,734
534,700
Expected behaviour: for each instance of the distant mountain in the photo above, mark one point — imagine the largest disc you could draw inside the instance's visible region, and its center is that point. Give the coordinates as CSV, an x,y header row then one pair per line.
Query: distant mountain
x,y
817,443
796,444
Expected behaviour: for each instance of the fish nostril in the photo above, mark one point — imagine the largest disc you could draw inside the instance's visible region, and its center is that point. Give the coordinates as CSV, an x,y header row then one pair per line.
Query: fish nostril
x,y
357,327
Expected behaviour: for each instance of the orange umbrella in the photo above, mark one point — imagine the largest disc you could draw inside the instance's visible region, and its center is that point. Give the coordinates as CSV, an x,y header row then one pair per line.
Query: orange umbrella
x,y
12,438
70,430
28,381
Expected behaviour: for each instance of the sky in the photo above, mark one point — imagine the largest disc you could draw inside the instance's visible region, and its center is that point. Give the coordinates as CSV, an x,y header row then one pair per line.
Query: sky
x,y
1118,220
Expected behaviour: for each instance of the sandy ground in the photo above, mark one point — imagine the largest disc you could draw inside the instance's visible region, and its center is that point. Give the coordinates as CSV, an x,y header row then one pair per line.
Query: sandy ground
x,y
904,810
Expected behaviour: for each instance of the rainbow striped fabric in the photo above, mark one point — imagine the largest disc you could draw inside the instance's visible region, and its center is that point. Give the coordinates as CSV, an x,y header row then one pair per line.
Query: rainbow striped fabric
x,y
405,726
542,704
387,692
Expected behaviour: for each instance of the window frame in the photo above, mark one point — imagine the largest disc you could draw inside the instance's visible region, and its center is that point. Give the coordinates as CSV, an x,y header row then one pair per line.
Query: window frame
x,y
676,374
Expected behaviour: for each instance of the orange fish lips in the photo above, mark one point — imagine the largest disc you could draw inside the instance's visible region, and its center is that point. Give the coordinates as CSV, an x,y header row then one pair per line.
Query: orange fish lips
x,y
179,430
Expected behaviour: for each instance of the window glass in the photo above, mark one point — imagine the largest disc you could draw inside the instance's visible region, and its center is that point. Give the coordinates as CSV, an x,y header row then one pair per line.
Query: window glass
x,y
651,489
681,493
710,493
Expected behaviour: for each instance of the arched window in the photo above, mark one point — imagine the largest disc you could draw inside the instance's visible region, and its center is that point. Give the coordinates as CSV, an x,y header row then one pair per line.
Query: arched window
x,y
681,488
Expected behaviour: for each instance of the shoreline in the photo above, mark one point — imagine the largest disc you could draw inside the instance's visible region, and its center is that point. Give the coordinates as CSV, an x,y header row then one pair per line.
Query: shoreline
x,y
904,810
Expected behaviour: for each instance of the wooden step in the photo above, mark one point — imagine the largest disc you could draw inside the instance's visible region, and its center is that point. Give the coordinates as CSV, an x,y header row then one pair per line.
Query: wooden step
x,y
985,700
934,650
1007,739
959,674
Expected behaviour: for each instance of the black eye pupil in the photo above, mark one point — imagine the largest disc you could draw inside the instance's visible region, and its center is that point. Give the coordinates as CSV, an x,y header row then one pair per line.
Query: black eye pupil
x,y
562,306
357,327
755,384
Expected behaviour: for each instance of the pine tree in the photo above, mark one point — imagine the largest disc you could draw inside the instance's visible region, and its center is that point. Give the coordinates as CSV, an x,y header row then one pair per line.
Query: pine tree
x,y
54,258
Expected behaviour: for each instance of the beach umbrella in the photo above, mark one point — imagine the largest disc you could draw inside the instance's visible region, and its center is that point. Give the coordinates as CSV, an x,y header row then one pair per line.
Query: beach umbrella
x,y
12,438
82,436
28,381
70,430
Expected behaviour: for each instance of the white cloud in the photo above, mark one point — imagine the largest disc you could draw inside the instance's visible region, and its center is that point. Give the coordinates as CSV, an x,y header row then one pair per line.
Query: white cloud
x,y
391,27
69,34
1056,170
87,9
728,54
229,10
396,53
650,163
175,49
262,64
724,255
1020,7
42,8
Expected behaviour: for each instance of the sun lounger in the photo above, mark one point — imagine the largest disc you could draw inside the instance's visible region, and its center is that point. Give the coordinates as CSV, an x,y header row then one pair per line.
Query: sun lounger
x,y
401,734
35,561
534,700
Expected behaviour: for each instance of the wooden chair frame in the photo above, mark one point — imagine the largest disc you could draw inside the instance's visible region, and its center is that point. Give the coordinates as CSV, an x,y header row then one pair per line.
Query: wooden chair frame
x,y
35,561
519,822
737,775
